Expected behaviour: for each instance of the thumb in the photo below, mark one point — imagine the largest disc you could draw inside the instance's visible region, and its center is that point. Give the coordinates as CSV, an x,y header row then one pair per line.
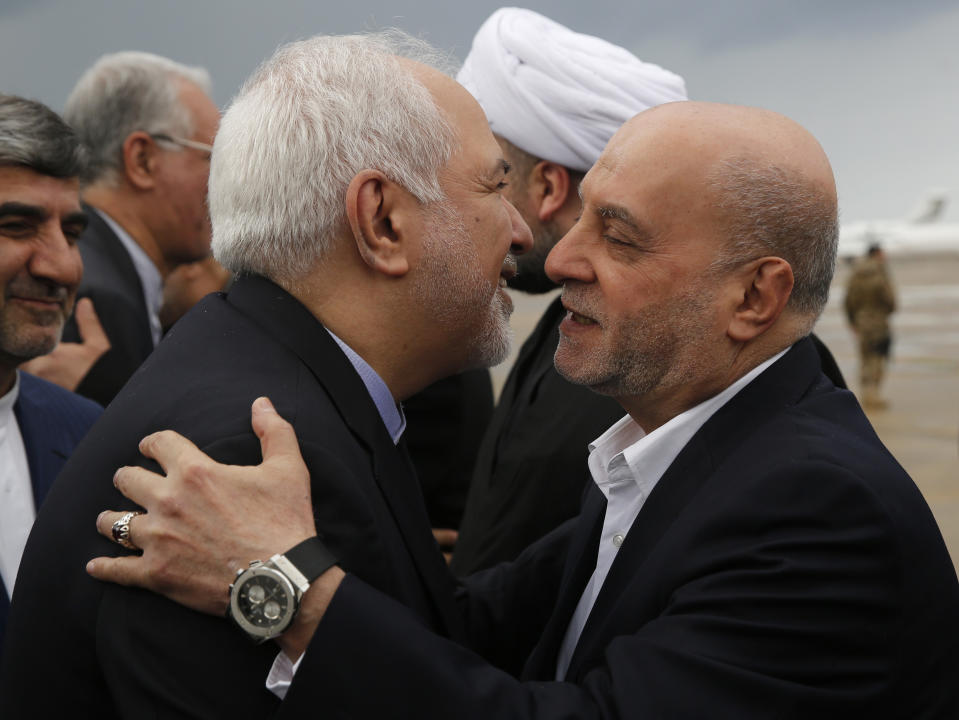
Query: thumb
x,y
88,324
277,437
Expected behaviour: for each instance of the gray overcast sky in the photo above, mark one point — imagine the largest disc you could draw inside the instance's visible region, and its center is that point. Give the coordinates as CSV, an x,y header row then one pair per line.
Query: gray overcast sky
x,y
877,81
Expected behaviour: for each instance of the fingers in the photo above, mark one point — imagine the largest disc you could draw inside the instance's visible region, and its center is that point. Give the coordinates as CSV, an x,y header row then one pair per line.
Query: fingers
x,y
106,521
126,570
138,484
445,537
168,448
88,325
277,437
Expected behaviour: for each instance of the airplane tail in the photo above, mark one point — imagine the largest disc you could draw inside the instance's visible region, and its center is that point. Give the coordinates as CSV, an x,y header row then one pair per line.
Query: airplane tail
x,y
930,210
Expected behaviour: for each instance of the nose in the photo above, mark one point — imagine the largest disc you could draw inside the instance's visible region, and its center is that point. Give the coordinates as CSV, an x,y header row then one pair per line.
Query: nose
x,y
522,239
567,260
56,259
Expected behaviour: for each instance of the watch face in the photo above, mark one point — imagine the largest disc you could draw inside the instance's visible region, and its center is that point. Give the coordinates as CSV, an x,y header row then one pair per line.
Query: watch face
x,y
263,602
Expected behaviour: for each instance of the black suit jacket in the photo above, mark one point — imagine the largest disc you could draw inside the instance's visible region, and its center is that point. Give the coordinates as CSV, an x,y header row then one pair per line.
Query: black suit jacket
x,y
111,282
110,651
444,425
785,566
52,421
530,471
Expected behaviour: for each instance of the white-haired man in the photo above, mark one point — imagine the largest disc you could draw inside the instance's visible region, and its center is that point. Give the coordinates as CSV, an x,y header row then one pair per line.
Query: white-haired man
x,y
749,550
359,197
148,124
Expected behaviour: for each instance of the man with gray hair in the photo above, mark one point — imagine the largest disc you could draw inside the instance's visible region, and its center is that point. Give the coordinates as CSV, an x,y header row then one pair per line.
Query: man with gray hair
x,y
148,124
358,196
40,267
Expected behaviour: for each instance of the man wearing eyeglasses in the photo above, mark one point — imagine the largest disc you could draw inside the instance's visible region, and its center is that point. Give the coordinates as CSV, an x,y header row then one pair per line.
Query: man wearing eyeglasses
x,y
148,123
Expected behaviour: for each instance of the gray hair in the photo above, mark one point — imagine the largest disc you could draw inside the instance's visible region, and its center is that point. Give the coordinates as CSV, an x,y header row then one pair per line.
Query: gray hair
x,y
771,210
309,119
33,136
125,92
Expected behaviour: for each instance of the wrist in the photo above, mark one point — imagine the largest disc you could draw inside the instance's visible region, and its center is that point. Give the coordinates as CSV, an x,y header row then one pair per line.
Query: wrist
x,y
313,606
267,597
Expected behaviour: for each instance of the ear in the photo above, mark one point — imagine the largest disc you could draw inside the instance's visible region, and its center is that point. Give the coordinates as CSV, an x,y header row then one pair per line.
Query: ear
x,y
549,186
382,218
764,287
140,158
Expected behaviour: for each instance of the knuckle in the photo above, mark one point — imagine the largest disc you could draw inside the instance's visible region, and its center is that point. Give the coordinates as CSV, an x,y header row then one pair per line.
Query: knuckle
x,y
195,473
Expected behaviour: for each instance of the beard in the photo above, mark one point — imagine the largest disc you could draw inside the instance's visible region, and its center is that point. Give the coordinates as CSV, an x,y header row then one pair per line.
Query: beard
x,y
26,333
664,345
459,296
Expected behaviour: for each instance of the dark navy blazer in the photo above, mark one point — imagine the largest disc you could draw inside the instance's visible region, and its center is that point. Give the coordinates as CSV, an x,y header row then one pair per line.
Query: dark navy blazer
x,y
52,422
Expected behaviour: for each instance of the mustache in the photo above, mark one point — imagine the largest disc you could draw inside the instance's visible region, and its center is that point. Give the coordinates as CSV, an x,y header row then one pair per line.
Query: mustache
x,y
579,300
30,288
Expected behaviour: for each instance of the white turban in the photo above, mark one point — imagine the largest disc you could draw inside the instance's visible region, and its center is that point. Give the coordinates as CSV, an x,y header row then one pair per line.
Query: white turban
x,y
555,93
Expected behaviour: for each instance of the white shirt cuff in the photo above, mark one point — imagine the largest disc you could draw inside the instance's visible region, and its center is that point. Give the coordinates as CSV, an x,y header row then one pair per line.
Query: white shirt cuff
x,y
281,674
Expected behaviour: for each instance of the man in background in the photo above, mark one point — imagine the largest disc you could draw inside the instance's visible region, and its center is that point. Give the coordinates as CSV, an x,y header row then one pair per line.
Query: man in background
x,y
148,124
40,268
870,300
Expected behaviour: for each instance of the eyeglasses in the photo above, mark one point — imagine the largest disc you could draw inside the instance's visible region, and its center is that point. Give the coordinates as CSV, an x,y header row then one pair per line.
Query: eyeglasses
x,y
183,142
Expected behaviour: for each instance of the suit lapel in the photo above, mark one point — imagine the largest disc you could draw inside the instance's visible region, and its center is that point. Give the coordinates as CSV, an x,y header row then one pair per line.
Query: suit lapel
x,y
782,384
307,338
45,447
100,234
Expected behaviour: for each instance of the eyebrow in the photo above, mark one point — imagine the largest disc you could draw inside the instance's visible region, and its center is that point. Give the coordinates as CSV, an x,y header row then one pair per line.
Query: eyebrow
x,y
17,208
616,212
501,166
37,212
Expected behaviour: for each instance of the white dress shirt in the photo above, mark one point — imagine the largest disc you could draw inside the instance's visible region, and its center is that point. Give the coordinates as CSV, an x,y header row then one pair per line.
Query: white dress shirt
x,y
150,278
17,512
626,464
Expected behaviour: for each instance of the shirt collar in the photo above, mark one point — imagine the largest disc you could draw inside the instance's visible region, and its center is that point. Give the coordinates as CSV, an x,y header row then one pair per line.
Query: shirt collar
x,y
9,399
391,414
649,455
150,278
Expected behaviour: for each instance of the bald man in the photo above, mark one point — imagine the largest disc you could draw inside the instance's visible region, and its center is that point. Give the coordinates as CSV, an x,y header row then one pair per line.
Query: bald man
x,y
750,549
554,98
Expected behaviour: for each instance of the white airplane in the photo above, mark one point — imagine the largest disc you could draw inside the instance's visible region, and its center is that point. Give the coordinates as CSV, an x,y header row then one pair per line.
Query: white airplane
x,y
919,233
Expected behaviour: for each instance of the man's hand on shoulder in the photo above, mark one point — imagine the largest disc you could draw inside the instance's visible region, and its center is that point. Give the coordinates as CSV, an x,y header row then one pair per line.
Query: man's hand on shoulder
x,y
69,363
203,521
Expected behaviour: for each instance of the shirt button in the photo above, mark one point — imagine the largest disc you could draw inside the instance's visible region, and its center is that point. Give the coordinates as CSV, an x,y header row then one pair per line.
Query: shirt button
x,y
618,539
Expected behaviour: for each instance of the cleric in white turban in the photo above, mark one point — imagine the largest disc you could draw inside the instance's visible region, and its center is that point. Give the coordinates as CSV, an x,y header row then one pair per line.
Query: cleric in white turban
x,y
557,94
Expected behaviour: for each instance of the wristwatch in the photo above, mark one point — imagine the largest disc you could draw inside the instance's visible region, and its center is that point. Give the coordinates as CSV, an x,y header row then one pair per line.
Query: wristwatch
x,y
264,597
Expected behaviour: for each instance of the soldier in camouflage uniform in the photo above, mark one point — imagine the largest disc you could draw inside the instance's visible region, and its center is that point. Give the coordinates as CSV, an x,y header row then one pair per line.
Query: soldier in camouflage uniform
x,y
870,300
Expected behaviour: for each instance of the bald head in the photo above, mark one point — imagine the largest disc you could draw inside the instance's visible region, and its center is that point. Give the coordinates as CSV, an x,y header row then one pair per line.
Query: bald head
x,y
762,179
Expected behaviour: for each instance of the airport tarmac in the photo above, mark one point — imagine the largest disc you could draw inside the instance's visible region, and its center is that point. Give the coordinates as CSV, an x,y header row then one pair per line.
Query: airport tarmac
x,y
921,425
